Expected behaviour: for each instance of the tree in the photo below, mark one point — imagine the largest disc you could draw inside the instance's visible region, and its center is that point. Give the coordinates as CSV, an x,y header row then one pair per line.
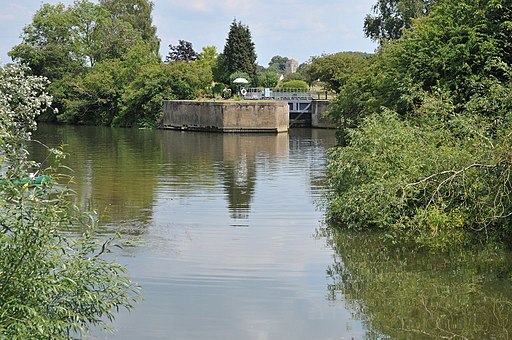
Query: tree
x,y
427,132
268,79
48,46
239,53
208,55
181,52
54,283
278,64
138,14
93,98
219,69
333,69
90,53
392,16
141,102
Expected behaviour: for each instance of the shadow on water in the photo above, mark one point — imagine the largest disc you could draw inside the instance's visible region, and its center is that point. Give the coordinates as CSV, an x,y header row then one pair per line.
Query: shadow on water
x,y
407,294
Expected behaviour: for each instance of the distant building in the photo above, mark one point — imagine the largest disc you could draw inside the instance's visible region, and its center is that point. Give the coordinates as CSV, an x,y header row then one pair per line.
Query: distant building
x,y
291,66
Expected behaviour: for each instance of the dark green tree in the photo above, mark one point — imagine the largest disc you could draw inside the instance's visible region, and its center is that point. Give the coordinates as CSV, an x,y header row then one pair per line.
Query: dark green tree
x,y
220,72
239,52
181,52
278,64
392,16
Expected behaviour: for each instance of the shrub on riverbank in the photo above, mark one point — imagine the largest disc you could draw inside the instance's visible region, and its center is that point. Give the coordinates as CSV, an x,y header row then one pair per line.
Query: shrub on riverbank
x,y
427,131
55,282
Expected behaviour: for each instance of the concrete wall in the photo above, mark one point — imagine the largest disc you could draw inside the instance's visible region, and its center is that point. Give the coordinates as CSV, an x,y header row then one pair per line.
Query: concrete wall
x,y
244,116
318,120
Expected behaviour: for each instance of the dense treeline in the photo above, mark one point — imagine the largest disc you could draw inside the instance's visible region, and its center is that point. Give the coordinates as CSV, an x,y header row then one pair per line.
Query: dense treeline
x,y
426,131
103,64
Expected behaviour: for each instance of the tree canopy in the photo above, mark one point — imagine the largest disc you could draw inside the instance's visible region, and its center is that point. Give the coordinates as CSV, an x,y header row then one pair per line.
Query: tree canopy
x,y
181,52
95,54
278,64
392,17
137,13
333,70
239,53
426,127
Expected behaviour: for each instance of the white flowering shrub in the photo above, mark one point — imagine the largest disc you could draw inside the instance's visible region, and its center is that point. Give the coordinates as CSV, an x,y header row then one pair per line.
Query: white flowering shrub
x,y
54,280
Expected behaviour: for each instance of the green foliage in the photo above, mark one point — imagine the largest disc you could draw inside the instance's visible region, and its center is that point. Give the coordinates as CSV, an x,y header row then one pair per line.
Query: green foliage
x,y
294,84
392,17
299,75
460,51
278,64
239,53
48,43
92,98
334,69
91,53
142,100
426,123
137,14
54,280
268,79
208,55
219,70
436,181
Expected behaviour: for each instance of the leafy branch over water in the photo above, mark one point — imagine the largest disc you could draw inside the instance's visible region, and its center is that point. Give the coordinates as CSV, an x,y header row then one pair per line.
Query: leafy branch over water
x,y
54,279
426,132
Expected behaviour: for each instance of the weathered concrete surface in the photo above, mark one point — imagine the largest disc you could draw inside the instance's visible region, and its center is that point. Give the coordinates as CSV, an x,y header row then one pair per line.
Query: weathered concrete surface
x,y
318,119
243,116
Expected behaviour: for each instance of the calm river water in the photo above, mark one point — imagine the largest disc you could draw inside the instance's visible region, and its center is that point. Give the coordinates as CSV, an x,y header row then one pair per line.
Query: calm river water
x,y
220,230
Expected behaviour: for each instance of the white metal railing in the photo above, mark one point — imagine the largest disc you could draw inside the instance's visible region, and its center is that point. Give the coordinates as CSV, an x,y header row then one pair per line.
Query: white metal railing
x,y
283,94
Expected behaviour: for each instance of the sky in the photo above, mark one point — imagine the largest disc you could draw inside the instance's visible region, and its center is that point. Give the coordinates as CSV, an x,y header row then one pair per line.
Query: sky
x,y
296,29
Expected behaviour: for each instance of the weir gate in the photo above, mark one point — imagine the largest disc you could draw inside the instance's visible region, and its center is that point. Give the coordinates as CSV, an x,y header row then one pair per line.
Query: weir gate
x,y
300,103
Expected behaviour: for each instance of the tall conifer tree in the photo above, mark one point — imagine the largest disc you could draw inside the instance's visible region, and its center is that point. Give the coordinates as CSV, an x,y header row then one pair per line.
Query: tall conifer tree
x,y
239,52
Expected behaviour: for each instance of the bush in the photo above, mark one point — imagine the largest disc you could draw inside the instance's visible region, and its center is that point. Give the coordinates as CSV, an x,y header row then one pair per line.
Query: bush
x,y
426,123
54,280
418,180
294,84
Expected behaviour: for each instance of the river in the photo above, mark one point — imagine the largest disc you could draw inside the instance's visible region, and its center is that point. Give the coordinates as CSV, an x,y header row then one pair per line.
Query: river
x,y
224,233
218,229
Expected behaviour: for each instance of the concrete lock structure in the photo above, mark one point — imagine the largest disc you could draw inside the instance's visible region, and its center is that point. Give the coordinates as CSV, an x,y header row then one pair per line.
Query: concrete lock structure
x,y
226,116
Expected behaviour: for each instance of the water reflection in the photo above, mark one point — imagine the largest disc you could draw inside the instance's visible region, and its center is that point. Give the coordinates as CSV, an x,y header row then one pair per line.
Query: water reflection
x,y
117,171
179,199
238,170
404,294
113,170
